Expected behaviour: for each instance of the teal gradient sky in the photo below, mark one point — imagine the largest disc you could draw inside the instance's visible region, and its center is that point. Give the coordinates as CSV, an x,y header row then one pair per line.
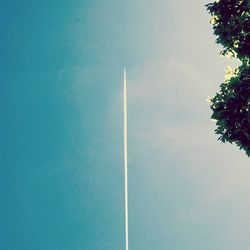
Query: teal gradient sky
x,y
61,148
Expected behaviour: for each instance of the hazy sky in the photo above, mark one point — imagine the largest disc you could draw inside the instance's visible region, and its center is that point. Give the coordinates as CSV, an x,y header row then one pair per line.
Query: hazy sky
x,y
61,154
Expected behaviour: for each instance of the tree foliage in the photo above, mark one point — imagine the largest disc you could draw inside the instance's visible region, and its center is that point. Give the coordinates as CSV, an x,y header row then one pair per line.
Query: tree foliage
x,y
231,106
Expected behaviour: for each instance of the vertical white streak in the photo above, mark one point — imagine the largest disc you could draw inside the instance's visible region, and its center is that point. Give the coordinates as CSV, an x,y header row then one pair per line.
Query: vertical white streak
x,y
125,158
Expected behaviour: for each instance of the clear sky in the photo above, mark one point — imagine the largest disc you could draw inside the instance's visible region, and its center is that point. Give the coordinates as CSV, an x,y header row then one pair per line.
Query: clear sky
x,y
61,155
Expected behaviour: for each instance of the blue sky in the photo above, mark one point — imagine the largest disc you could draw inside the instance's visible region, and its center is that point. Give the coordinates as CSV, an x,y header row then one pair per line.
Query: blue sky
x,y
61,129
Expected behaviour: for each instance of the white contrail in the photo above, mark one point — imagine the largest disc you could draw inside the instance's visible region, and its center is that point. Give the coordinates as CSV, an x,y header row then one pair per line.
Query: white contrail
x,y
125,157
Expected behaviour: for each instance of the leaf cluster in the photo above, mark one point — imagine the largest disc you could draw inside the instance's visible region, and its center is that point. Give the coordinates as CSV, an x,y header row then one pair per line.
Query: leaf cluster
x,y
231,106
232,25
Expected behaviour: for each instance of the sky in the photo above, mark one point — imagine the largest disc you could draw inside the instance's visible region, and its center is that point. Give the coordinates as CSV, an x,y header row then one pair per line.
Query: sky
x,y
61,148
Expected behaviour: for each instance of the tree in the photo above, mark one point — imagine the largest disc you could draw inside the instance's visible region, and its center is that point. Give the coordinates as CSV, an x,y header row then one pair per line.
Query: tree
x,y
231,105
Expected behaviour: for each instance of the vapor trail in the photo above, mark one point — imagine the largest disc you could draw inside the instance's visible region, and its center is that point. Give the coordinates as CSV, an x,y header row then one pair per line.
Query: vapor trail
x,y
125,157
